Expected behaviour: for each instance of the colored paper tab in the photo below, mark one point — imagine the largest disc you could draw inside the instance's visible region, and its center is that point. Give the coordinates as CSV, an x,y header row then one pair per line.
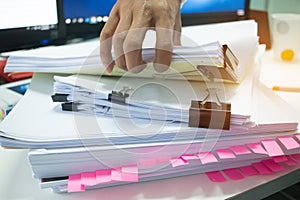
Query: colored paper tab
x,y
225,153
257,148
275,167
103,176
74,183
297,136
289,142
290,162
207,157
130,173
190,157
240,150
296,157
178,162
249,170
261,168
272,148
233,174
279,159
88,178
215,176
116,175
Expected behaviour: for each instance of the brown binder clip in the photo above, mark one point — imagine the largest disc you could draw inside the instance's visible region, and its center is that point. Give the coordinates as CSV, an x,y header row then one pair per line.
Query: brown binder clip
x,y
213,115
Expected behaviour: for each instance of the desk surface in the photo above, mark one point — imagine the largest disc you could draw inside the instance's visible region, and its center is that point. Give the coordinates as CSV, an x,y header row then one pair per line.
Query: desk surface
x,y
16,180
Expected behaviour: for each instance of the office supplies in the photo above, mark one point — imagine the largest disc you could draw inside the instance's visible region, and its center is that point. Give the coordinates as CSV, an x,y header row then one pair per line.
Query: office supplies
x,y
205,114
286,89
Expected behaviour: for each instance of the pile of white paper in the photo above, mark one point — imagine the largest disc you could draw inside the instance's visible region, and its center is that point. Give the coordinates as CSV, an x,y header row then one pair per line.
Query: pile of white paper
x,y
104,143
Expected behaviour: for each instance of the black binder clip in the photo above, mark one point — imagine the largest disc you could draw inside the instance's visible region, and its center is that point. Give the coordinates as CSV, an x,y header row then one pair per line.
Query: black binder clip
x,y
119,97
213,115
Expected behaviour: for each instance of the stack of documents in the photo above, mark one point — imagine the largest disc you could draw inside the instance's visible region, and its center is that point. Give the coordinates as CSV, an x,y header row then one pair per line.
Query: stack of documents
x,y
211,61
73,151
81,138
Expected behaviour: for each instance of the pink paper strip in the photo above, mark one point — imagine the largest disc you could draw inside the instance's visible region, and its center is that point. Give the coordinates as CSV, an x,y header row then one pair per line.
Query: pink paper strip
x,y
207,157
147,162
272,148
257,148
88,178
289,142
297,136
215,176
103,176
225,153
233,174
275,167
290,162
249,170
116,175
190,157
261,168
130,173
74,183
279,159
178,162
240,150
296,157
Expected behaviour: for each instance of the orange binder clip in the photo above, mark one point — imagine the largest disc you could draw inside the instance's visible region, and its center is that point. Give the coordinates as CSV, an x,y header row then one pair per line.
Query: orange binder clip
x,y
206,114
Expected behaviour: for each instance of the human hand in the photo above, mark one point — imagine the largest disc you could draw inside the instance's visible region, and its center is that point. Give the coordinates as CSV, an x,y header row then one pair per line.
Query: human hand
x,y
126,28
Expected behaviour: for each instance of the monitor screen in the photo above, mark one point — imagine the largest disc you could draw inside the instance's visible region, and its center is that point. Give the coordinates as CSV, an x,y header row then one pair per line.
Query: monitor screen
x,y
85,18
212,11
28,24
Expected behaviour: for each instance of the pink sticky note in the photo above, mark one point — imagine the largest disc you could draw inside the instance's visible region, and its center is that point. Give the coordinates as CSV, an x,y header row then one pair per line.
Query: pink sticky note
x,y
233,174
225,153
296,157
257,148
249,170
130,173
178,162
74,183
190,157
275,167
279,159
289,142
147,162
261,168
297,136
207,157
240,150
272,148
290,162
103,176
88,178
216,176
116,175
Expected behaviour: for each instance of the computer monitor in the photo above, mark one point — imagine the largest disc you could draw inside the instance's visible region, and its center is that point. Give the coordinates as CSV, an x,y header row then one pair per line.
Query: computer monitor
x,y
28,24
85,18
195,12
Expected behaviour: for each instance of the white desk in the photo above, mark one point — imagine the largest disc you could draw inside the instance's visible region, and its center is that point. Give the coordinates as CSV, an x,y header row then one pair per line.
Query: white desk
x,y
16,180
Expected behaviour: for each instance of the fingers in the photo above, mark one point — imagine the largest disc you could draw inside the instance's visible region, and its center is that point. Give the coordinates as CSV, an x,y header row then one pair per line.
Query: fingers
x,y
106,39
164,44
134,41
119,38
177,29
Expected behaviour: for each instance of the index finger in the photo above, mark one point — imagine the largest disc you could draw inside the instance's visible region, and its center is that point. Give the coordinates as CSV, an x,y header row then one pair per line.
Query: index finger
x,y
106,39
